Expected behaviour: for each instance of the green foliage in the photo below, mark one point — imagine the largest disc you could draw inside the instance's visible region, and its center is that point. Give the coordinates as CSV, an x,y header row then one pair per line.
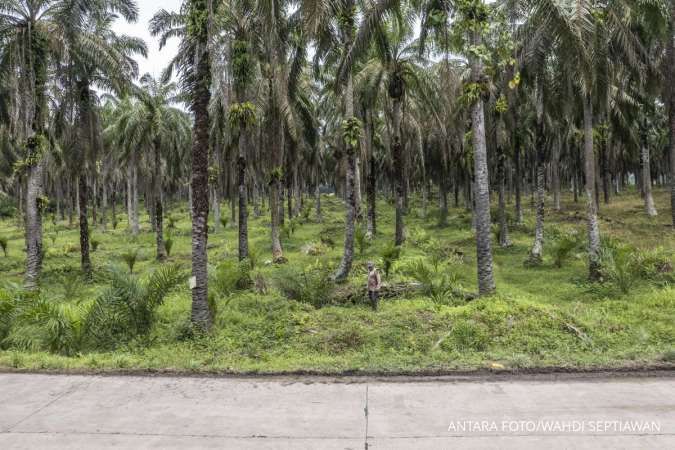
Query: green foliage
x,y
435,284
130,257
389,256
197,19
3,245
351,132
34,323
168,245
563,247
94,244
288,228
230,276
242,115
469,336
361,239
313,285
242,63
71,283
224,221
618,265
654,264
126,309
7,206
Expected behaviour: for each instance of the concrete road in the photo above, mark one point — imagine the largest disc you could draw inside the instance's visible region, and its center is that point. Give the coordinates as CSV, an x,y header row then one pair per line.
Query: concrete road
x,y
91,412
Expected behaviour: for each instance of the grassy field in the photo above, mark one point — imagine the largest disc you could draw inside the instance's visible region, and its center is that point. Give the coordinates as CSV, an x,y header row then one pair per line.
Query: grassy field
x,y
541,316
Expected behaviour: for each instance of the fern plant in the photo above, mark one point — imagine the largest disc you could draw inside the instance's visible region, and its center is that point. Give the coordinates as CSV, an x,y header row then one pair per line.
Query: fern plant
x,y
361,240
130,259
564,245
126,309
37,324
389,256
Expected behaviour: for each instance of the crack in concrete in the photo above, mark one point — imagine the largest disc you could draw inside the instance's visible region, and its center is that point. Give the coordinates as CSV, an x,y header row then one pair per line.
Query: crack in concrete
x,y
365,410
262,436
178,435
69,390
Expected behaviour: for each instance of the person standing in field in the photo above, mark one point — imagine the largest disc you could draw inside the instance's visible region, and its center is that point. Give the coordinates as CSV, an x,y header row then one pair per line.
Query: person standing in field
x,y
374,284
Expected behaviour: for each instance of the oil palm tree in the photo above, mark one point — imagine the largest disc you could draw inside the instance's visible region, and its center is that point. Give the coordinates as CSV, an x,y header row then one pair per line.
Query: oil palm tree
x,y
35,35
98,56
585,36
152,123
193,63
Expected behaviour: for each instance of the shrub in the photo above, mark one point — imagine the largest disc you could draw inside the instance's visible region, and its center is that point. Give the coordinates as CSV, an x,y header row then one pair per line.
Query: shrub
x,y
419,236
94,245
361,239
7,206
314,285
3,245
434,284
655,264
171,222
224,221
390,255
130,259
34,323
288,228
306,212
617,265
230,276
469,336
71,283
168,245
125,310
563,247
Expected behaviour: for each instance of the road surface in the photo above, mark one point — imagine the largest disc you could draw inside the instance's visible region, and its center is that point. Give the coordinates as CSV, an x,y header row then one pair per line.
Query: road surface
x,y
91,412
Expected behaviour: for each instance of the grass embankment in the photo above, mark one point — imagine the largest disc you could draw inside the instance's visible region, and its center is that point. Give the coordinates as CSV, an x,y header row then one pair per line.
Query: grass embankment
x,y
541,316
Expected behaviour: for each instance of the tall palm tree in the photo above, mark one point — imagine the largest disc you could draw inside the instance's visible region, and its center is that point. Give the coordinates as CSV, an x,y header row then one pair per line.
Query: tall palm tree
x,y
193,62
97,56
152,123
35,35
580,35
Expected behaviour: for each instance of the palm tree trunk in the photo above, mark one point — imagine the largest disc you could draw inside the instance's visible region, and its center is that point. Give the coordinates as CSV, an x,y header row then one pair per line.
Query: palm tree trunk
x,y
504,240
130,194
276,186
35,149
33,216
650,208
350,188
670,67
397,153
589,166
201,312
317,203
104,204
113,204
371,181
243,200
486,283
215,200
85,260
538,245
518,181
555,175
159,210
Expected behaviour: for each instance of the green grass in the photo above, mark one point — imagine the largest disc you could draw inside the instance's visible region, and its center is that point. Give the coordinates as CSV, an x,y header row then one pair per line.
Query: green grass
x,y
541,316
